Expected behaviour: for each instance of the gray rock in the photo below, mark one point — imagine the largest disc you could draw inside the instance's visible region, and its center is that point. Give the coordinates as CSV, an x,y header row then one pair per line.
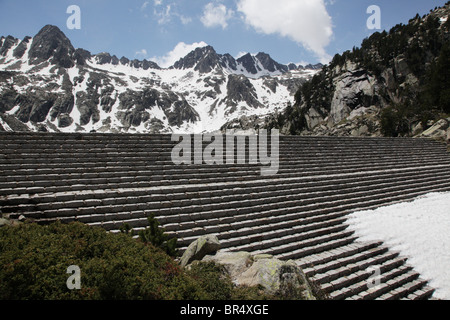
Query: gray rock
x,y
81,55
249,63
354,89
203,60
240,89
235,263
201,247
103,58
52,44
64,121
269,64
8,42
275,276
417,129
5,222
313,118
401,66
21,48
437,130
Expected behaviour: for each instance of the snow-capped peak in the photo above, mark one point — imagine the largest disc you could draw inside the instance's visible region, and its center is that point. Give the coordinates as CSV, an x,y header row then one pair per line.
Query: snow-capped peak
x,y
46,84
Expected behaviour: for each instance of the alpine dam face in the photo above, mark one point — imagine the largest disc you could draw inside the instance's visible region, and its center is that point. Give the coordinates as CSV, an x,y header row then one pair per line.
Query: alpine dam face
x,y
299,214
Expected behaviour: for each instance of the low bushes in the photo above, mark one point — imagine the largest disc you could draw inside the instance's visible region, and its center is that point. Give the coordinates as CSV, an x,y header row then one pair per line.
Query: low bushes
x,y
34,261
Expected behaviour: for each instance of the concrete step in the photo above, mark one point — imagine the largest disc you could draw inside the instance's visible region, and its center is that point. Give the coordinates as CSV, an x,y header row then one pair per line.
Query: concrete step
x,y
404,291
319,272
160,193
228,209
71,174
109,180
350,286
34,187
211,200
165,151
147,138
389,288
309,263
424,293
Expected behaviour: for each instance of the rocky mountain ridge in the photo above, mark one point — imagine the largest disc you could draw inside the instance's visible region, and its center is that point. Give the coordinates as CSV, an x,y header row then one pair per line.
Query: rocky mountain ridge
x,y
48,85
395,84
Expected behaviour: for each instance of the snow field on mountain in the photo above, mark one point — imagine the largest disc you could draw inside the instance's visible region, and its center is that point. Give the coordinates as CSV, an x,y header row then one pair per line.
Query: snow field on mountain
x,y
217,88
419,230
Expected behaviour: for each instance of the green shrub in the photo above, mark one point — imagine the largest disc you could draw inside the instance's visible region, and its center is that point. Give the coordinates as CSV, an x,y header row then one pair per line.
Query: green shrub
x,y
155,235
395,121
211,278
34,260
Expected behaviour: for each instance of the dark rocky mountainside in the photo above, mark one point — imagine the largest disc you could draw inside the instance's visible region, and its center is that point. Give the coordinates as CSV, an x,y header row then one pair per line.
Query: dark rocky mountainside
x,y
396,84
48,85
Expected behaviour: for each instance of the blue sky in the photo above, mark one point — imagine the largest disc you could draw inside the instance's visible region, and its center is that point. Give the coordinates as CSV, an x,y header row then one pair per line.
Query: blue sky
x,y
296,31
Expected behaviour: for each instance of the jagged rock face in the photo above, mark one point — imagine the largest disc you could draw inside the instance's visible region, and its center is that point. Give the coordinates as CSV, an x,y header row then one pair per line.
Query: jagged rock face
x,y
47,84
248,62
240,89
21,48
269,64
105,58
6,44
389,76
81,56
203,60
354,89
135,107
51,44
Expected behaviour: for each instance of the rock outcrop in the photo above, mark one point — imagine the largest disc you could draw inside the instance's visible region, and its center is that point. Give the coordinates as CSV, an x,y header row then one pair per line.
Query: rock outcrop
x,y
200,248
275,277
51,44
353,89
394,81
438,130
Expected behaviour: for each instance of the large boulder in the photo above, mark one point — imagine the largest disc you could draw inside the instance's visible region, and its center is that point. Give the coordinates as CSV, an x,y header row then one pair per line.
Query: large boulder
x,y
437,130
354,89
5,222
198,249
276,277
235,263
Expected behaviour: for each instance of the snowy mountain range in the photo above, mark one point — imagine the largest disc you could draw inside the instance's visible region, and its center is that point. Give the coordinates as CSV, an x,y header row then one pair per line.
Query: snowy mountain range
x,y
48,85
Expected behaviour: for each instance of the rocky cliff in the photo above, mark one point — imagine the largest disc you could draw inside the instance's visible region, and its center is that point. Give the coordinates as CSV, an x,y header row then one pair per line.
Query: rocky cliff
x,y
395,84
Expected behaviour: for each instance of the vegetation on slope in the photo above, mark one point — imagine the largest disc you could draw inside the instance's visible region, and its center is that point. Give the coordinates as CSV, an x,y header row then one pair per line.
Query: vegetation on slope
x,y
34,261
423,43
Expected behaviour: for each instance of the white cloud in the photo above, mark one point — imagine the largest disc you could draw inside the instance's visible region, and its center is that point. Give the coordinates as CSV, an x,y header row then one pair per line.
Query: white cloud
x,y
180,51
306,22
142,53
240,54
164,16
185,20
216,15
144,5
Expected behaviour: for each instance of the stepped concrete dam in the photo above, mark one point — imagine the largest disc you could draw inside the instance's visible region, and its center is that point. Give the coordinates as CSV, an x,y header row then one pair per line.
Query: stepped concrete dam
x,y
300,213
